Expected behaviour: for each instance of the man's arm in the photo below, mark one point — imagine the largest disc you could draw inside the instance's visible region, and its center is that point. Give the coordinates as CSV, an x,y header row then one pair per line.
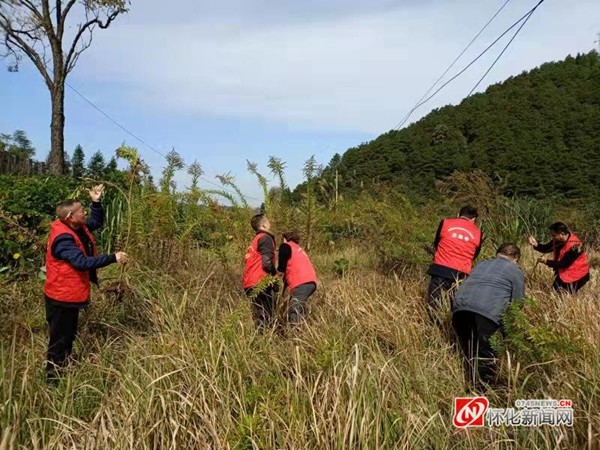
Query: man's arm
x,y
438,234
266,248
285,253
568,259
478,250
518,286
64,248
97,219
544,248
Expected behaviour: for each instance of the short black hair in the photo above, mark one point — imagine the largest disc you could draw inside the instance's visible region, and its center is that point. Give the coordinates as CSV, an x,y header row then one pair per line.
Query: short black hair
x,y
65,207
469,212
257,221
558,228
509,249
293,236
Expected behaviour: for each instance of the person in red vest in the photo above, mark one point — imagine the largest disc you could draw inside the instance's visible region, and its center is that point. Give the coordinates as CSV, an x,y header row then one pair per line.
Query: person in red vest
x,y
299,275
71,264
260,263
570,263
457,244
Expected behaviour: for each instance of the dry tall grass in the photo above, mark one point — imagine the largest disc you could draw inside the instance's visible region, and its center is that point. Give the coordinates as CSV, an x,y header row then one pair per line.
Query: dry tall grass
x,y
177,364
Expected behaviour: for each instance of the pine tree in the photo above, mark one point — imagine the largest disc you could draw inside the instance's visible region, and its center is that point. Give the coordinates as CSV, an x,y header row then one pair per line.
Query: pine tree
x,y
78,162
112,172
111,167
67,163
96,165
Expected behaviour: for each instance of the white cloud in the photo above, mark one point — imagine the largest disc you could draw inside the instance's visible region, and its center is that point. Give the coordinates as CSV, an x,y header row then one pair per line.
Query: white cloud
x,y
358,72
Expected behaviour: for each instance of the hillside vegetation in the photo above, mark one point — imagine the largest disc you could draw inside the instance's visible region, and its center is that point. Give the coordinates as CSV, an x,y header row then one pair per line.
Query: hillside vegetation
x,y
537,131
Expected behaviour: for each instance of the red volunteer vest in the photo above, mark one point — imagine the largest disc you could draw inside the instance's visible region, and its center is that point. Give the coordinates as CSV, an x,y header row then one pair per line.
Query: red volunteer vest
x,y
253,270
580,266
299,269
64,283
459,239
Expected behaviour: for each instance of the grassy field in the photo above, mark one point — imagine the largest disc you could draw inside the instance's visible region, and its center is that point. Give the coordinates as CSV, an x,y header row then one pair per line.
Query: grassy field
x,y
176,363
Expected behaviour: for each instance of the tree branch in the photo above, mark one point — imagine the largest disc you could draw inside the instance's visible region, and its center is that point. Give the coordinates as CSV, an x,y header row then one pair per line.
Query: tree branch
x,y
10,52
45,9
47,22
73,52
26,33
30,27
15,39
58,12
63,19
31,7
109,19
83,47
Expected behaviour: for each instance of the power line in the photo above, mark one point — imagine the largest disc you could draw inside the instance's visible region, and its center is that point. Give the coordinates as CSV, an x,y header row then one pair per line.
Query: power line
x,y
524,17
399,125
505,48
133,135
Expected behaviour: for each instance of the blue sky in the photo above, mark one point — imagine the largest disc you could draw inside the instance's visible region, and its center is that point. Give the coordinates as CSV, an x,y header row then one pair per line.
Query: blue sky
x,y
229,80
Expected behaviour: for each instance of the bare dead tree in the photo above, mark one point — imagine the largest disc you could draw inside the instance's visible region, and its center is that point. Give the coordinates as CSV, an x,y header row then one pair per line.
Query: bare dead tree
x,y
38,30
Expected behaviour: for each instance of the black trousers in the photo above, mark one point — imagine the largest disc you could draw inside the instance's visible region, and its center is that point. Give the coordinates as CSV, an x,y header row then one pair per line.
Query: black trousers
x,y
570,288
297,308
474,332
62,329
438,289
263,306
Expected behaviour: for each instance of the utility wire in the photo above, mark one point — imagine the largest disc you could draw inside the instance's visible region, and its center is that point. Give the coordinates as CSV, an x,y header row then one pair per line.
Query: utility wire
x,y
399,125
504,49
133,135
524,17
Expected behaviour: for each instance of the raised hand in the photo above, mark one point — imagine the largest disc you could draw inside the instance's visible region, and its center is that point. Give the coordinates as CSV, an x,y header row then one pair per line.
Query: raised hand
x,y
96,192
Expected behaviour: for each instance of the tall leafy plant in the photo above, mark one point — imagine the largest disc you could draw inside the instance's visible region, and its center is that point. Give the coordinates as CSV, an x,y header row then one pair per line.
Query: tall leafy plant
x,y
262,181
309,205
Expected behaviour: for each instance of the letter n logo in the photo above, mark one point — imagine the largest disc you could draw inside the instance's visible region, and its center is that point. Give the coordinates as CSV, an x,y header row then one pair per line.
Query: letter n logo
x,y
470,411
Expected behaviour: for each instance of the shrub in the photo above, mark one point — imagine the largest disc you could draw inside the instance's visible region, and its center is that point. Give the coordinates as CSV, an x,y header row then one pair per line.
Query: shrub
x,y
535,342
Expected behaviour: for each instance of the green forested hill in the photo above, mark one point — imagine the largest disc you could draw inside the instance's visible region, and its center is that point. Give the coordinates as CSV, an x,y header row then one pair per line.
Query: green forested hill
x,y
540,131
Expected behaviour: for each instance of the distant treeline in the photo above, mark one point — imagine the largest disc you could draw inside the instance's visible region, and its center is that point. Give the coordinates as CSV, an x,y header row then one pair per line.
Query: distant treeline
x,y
17,152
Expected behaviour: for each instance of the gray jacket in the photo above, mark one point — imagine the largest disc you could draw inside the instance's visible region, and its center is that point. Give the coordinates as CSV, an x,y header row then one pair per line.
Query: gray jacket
x,y
490,287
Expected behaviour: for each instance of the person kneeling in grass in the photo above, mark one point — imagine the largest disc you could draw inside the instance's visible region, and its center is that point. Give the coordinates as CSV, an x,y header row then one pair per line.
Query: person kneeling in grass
x,y
479,305
299,275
